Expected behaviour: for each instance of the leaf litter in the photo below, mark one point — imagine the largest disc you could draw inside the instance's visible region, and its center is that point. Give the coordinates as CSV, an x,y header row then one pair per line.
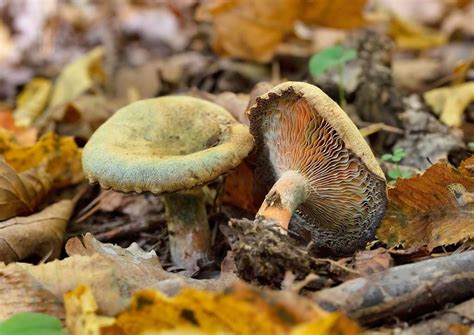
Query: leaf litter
x,y
408,89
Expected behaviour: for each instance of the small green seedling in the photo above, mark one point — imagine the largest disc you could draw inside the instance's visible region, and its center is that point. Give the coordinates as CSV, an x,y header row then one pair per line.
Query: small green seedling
x,y
31,324
395,157
336,56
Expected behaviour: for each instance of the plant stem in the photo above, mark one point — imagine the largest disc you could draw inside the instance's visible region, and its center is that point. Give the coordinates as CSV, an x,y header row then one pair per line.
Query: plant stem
x,y
342,98
398,170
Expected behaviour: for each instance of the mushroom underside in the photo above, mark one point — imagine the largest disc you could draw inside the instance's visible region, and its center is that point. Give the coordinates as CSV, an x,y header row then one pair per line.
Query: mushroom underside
x,y
345,200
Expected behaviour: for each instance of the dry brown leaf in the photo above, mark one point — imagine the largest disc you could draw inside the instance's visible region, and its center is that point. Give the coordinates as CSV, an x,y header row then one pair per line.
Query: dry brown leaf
x,y
141,269
32,101
433,209
450,102
250,29
21,193
334,14
239,190
60,155
21,284
21,292
40,234
460,20
81,313
371,261
412,35
253,29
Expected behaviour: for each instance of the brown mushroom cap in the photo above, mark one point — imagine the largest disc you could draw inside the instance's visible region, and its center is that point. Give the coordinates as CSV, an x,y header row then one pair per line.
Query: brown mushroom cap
x,y
165,144
297,127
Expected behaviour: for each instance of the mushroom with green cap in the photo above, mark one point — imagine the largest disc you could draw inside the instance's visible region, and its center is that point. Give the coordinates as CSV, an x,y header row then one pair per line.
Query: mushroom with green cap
x,y
171,146
313,161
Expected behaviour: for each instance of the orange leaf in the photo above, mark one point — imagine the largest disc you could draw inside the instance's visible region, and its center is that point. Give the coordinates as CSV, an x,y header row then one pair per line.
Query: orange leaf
x,y
433,209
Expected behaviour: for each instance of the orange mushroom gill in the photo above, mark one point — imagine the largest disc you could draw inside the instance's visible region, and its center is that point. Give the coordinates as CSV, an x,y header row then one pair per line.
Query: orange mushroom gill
x,y
312,169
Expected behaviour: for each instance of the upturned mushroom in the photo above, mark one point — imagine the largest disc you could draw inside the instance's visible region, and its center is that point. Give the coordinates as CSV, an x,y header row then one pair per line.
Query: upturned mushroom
x,y
171,146
312,160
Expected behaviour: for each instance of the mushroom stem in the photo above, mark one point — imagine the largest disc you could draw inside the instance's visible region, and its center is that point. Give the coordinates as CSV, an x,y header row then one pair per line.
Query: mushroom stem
x,y
286,195
188,227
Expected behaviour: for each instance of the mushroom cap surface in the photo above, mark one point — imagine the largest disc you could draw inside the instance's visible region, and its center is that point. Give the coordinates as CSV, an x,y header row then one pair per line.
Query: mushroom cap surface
x,y
165,144
297,127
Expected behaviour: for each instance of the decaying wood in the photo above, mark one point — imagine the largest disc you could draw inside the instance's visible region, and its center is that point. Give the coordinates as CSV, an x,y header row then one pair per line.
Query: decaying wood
x,y
404,291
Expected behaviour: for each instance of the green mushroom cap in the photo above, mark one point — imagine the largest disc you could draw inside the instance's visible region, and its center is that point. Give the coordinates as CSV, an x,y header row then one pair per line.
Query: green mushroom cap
x,y
165,144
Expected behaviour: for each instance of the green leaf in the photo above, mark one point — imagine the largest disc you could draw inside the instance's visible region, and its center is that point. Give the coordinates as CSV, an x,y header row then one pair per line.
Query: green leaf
x,y
31,324
393,174
399,151
406,174
387,157
397,158
329,58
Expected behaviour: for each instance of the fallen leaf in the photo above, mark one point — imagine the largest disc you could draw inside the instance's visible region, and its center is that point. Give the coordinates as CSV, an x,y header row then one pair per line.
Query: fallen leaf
x,y
253,30
40,234
60,155
21,193
371,261
239,190
450,102
334,14
81,313
250,29
78,77
22,285
141,269
32,101
9,131
240,310
433,209
412,35
414,74
460,20
31,324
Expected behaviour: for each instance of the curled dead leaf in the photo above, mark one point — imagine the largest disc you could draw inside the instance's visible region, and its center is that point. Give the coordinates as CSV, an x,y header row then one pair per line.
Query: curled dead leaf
x,y
40,234
21,193
433,209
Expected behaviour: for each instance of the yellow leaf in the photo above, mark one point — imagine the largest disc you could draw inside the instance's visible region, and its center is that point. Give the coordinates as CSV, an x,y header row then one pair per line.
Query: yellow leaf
x,y
412,35
32,101
78,77
21,193
40,234
240,310
450,102
81,309
60,155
